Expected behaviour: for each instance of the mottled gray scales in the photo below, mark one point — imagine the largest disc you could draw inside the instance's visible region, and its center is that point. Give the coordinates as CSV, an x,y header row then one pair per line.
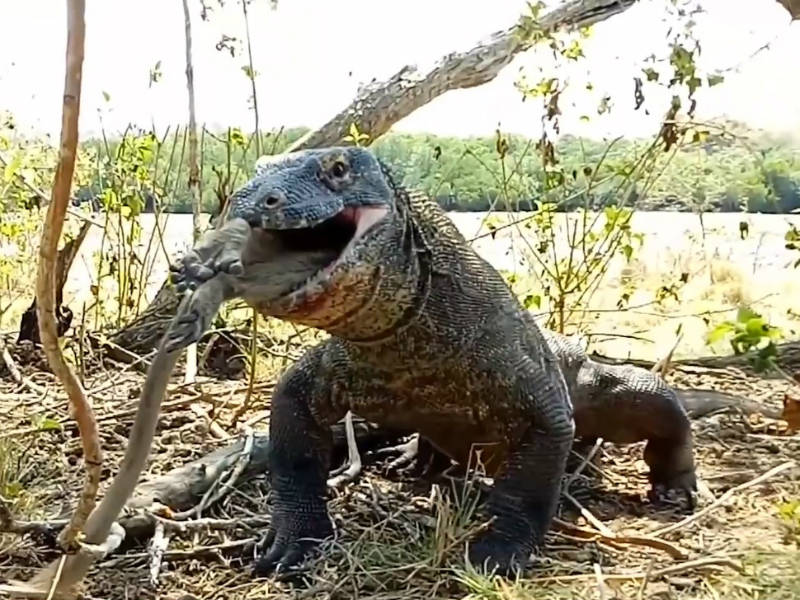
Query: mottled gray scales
x,y
425,336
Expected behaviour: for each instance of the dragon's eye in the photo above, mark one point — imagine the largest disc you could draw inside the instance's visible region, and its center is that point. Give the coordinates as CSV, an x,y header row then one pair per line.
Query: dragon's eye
x,y
339,169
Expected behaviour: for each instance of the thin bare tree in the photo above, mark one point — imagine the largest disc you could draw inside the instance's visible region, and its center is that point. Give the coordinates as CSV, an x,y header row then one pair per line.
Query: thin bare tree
x,y
194,169
47,580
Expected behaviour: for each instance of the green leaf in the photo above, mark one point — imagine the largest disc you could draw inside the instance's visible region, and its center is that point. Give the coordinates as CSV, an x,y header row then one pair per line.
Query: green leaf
x,y
11,168
744,314
49,424
627,250
12,489
651,74
532,300
720,332
756,327
106,96
715,80
237,137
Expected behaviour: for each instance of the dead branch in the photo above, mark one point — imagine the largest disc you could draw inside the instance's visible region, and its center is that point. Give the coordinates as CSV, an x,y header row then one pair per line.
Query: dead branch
x,y
381,104
639,540
352,468
16,374
793,6
689,565
663,366
158,545
182,488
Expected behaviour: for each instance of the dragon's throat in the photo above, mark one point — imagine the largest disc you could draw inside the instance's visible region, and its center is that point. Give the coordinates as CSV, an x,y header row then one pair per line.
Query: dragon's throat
x,y
359,301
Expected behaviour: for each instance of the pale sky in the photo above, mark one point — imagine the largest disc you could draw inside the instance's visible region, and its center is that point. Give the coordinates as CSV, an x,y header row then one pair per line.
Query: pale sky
x,y
312,54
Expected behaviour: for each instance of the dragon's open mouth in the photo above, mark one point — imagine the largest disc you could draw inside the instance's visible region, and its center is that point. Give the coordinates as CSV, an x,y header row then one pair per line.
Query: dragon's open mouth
x,y
327,244
337,234
331,235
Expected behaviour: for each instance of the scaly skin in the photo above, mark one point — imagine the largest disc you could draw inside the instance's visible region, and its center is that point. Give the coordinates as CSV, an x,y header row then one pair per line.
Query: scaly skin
x,y
425,336
624,404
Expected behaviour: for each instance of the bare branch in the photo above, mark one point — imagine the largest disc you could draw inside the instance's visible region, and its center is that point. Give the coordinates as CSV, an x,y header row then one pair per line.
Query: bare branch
x,y
793,6
380,105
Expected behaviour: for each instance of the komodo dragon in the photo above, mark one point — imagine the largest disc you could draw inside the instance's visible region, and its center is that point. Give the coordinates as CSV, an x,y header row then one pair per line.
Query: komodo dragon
x,y
426,336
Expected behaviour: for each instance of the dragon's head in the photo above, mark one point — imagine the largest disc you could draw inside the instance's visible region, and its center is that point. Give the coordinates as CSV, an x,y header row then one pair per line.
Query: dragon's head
x,y
332,200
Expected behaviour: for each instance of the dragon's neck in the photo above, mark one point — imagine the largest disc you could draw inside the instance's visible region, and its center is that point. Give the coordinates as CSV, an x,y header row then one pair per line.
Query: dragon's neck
x,y
399,280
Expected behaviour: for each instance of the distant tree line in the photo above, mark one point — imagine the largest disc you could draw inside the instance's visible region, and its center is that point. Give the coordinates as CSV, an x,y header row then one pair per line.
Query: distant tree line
x,y
718,173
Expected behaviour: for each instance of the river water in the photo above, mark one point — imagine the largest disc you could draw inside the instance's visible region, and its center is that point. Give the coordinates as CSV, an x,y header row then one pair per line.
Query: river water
x,y
669,238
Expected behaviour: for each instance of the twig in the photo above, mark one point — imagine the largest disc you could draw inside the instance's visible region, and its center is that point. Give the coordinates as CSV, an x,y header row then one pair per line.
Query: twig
x,y
210,497
8,524
158,545
663,365
115,416
214,428
197,552
601,527
53,586
16,374
353,457
45,280
601,585
238,468
722,499
699,563
129,412
207,524
649,541
41,194
248,397
645,581
586,460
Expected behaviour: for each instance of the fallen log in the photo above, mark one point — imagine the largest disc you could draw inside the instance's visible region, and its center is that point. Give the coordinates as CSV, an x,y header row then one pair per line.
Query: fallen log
x,y
788,358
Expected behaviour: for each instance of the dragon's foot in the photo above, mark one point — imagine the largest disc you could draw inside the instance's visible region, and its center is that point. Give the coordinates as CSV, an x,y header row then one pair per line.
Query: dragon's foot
x,y
191,271
418,459
215,253
674,488
672,472
290,538
497,554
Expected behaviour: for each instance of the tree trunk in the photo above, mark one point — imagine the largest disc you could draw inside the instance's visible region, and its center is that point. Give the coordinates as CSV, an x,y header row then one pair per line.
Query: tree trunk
x,y
29,323
380,105
142,334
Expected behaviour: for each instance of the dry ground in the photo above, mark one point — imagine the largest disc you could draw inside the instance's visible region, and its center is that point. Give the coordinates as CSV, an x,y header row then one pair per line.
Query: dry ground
x,y
396,540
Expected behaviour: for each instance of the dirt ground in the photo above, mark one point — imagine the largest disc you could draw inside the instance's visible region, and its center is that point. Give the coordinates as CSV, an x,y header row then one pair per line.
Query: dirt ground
x,y
399,540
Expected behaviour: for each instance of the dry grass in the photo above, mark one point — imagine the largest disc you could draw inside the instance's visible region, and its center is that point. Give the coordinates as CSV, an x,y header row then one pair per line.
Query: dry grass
x,y
398,539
